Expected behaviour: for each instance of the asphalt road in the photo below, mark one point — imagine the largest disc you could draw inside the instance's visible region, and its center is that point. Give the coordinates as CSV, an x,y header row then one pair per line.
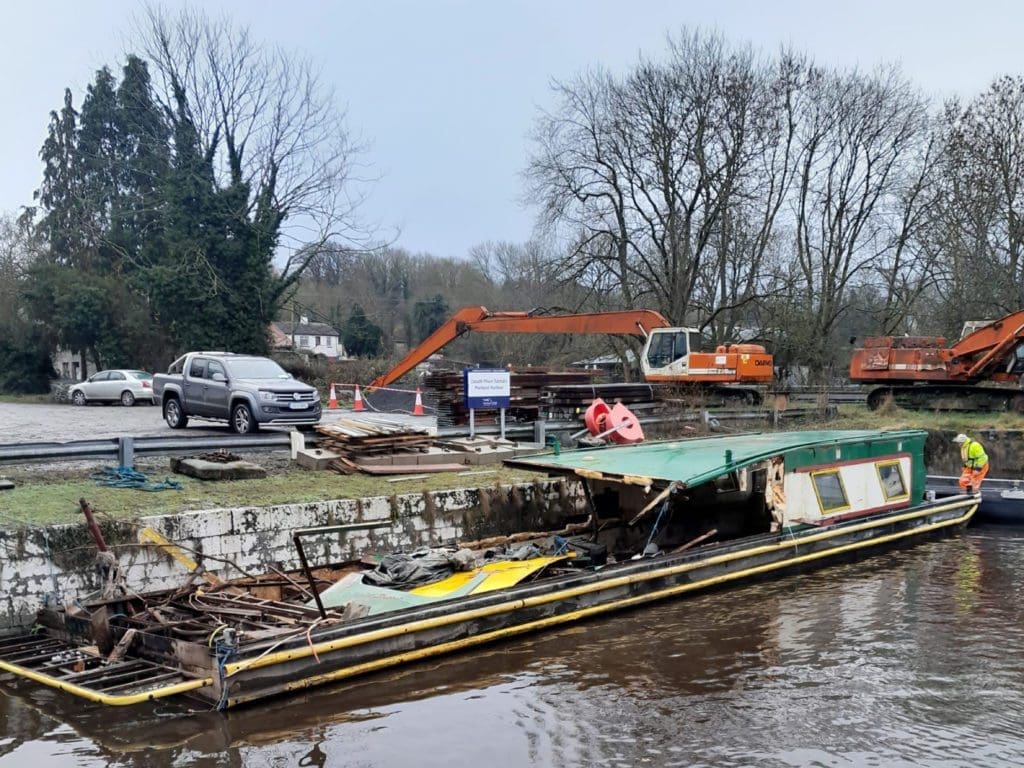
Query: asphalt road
x,y
31,423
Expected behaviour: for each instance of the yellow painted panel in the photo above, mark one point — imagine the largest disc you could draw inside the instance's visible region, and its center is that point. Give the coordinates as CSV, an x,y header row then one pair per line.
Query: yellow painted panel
x,y
499,575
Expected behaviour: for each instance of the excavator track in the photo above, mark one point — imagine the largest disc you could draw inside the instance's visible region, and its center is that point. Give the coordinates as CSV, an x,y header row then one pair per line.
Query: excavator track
x,y
948,397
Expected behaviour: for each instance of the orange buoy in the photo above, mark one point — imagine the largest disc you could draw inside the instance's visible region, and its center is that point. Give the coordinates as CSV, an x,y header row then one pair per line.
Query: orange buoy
x,y
596,416
357,403
628,426
332,402
417,409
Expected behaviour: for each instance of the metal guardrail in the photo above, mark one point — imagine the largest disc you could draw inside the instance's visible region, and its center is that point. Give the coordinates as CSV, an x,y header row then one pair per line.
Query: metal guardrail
x,y
125,447
712,418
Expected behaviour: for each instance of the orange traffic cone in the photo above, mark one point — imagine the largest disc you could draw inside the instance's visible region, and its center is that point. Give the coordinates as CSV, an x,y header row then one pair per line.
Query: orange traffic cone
x,y
357,404
332,402
417,410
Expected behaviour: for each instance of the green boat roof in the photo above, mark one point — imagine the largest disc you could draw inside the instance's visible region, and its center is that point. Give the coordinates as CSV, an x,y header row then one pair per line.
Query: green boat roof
x,y
696,460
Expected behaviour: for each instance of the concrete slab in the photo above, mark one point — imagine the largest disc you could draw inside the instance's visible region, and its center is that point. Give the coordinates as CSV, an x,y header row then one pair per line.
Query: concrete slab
x,y
315,458
488,455
213,470
6,485
439,456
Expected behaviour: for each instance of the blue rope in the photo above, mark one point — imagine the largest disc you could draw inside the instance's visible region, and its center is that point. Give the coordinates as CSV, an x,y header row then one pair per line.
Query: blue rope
x,y
224,652
657,522
127,477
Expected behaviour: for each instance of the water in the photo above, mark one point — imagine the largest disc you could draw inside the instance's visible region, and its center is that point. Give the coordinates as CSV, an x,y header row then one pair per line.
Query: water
x,y
913,658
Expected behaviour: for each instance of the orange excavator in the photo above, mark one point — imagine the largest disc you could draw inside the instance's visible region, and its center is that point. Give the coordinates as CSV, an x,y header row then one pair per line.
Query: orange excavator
x,y
982,371
668,355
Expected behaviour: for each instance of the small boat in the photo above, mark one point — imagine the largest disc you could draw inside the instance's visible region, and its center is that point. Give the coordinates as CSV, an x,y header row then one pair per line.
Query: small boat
x,y
657,520
1002,501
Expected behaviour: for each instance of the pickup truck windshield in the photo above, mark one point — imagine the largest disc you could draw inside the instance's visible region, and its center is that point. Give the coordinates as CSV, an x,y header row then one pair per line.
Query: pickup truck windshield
x,y
255,368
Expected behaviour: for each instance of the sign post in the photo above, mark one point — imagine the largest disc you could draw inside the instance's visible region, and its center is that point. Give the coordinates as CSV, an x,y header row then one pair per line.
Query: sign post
x,y
487,389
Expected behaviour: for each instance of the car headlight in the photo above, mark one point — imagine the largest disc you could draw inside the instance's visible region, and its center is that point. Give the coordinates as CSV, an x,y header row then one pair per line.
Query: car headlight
x,y
267,396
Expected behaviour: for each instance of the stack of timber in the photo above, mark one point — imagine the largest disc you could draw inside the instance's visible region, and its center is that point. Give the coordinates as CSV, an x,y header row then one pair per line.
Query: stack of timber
x,y
355,440
527,388
567,401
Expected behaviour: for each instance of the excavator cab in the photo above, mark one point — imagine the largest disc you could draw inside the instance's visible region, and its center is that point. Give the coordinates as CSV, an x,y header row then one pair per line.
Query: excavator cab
x,y
667,348
670,354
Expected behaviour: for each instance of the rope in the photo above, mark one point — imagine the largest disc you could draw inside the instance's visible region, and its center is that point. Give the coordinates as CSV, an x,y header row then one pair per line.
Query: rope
x,y
111,573
127,477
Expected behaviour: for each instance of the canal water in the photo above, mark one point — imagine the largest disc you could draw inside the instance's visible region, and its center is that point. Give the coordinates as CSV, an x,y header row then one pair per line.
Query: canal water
x,y
912,658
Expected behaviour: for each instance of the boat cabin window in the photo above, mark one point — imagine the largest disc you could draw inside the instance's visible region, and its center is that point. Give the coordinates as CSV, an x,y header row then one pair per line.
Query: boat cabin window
x,y
893,485
828,487
666,347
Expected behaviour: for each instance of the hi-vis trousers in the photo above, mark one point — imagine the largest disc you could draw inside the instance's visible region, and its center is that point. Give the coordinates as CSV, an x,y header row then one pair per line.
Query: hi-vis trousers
x,y
973,477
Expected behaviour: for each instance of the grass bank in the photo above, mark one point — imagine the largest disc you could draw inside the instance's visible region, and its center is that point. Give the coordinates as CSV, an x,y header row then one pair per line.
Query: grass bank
x,y
40,499
891,417
25,399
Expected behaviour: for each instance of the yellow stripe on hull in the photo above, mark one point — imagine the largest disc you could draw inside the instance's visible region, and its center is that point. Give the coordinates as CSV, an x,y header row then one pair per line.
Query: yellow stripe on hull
x,y
106,698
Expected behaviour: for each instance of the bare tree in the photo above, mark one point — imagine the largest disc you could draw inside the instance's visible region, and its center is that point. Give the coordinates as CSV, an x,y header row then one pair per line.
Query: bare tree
x,y
981,221
18,247
268,122
657,177
855,137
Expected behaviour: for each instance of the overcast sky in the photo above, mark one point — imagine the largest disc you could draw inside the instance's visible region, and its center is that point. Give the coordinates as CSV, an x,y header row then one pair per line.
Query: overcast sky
x,y
447,91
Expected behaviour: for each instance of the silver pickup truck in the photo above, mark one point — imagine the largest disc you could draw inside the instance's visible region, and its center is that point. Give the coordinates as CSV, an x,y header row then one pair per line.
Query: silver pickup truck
x,y
243,390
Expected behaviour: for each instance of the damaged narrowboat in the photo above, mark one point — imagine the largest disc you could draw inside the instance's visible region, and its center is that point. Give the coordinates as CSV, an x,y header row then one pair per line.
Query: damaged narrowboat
x,y
662,519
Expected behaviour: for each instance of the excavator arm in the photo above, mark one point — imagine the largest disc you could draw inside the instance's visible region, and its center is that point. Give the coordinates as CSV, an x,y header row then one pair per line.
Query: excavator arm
x,y
989,344
634,322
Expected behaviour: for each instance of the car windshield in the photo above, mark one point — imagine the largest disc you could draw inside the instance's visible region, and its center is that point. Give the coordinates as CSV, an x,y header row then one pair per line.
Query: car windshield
x,y
141,375
256,368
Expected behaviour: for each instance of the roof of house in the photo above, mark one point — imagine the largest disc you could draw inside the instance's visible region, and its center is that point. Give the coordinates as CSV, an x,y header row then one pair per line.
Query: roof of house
x,y
306,329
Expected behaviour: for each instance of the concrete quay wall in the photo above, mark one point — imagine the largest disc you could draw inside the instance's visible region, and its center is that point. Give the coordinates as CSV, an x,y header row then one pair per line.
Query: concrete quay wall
x,y
59,564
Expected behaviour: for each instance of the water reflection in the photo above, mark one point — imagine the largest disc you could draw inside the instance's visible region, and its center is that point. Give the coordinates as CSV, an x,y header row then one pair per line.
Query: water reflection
x,y
908,658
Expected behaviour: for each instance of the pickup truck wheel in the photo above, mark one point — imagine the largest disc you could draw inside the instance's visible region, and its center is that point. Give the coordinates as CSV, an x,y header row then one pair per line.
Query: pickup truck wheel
x,y
173,415
127,399
78,398
242,421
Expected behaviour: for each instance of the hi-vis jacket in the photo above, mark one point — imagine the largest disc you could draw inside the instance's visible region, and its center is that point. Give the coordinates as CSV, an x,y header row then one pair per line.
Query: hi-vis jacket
x,y
973,454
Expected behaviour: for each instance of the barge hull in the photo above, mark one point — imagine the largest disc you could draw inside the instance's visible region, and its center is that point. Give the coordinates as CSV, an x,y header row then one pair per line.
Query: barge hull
x,y
460,626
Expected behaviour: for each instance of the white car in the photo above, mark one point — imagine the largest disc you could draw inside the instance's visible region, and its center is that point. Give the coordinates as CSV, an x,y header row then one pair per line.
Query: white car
x,y
121,386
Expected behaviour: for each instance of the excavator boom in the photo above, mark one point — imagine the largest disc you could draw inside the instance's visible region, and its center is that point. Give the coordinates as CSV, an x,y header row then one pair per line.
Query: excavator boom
x,y
633,322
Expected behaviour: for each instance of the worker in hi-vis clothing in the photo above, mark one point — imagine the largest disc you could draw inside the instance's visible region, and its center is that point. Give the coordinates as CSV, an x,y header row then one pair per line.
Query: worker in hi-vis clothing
x,y
972,453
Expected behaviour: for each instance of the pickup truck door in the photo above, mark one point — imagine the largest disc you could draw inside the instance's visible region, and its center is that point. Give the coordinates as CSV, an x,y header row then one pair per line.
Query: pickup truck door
x,y
216,394
192,383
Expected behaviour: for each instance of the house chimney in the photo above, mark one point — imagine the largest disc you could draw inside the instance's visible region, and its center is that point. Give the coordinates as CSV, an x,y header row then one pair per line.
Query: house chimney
x,y
303,320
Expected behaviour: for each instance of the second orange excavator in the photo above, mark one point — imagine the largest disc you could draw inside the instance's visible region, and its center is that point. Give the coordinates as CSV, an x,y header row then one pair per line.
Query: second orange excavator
x,y
982,371
669,353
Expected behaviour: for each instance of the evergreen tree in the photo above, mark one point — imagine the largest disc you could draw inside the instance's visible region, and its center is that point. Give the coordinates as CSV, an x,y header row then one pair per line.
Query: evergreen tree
x,y
429,315
98,164
361,337
59,195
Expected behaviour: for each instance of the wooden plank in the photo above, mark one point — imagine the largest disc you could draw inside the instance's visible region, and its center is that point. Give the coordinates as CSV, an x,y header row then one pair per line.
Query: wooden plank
x,y
410,469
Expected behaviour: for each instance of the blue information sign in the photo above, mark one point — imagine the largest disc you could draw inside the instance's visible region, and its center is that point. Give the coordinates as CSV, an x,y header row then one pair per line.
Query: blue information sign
x,y
487,388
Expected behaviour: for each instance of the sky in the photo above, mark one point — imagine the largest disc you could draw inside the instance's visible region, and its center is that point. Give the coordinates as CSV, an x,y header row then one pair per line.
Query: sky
x,y
445,93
